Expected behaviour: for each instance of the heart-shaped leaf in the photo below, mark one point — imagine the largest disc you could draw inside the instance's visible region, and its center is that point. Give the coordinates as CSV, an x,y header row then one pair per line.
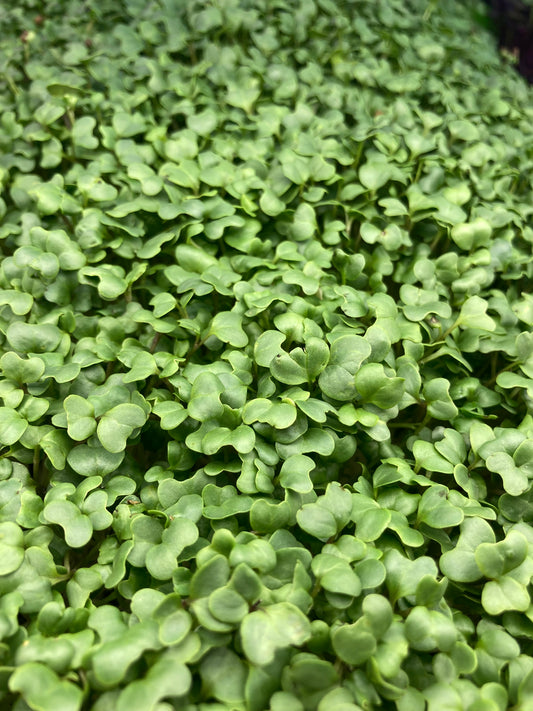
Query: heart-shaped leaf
x,y
43,690
277,414
227,325
89,460
21,370
275,627
117,425
80,417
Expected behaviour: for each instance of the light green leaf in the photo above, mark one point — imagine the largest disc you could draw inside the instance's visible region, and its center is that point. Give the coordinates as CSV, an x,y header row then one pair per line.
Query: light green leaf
x,y
167,677
317,521
172,414
376,387
82,133
295,472
77,527
227,326
437,395
224,675
275,627
12,426
43,690
277,414
354,644
80,417
285,368
474,314
93,460
33,338
117,425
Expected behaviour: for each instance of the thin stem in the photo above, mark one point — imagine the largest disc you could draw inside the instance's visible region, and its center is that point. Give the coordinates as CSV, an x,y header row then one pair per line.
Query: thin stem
x,y
195,347
435,242
508,367
68,222
11,84
154,343
36,460
430,357
358,154
40,476
421,425
452,328
418,171
316,588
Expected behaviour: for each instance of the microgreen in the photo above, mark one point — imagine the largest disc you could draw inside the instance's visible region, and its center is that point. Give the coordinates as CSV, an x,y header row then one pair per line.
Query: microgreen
x,y
266,423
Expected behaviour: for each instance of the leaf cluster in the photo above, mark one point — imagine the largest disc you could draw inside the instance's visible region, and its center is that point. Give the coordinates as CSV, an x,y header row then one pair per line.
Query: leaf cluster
x,y
266,362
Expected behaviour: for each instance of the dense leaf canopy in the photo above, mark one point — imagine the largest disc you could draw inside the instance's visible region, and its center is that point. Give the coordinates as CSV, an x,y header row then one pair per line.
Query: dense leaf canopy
x,y
266,354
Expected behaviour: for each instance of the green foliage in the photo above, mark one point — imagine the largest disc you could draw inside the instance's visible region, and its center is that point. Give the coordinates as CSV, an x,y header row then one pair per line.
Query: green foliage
x,y
266,363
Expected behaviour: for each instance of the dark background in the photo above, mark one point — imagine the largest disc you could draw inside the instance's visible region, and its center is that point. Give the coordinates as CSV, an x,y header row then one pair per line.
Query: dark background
x,y
512,22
